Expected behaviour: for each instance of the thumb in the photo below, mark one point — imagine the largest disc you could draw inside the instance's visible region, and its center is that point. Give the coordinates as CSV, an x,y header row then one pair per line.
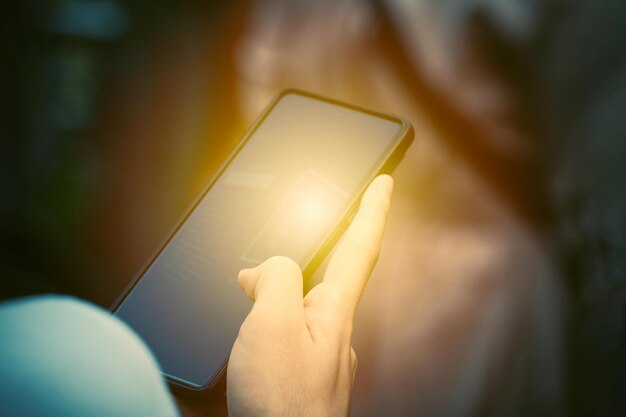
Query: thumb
x,y
276,288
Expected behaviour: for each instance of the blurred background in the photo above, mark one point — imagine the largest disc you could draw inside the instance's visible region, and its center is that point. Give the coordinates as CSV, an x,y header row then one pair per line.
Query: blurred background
x,y
500,290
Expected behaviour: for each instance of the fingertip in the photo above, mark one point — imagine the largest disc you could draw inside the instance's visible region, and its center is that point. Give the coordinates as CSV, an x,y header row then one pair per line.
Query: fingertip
x,y
241,277
378,194
244,280
391,182
385,182
275,286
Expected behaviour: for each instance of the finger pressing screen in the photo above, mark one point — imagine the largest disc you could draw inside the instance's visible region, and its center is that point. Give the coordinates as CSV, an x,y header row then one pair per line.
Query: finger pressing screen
x,y
275,286
356,255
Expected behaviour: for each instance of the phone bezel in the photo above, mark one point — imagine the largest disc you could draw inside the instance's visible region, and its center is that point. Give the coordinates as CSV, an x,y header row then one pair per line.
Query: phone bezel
x,y
385,164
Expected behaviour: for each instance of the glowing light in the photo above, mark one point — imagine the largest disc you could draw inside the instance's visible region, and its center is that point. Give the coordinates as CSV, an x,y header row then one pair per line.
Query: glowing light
x,y
310,210
302,219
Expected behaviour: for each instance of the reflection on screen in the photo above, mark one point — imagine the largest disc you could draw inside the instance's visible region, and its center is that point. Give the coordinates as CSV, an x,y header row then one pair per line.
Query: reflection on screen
x,y
281,195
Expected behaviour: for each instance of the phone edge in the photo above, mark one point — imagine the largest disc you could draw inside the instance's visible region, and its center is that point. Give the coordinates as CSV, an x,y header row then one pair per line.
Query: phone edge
x,y
406,135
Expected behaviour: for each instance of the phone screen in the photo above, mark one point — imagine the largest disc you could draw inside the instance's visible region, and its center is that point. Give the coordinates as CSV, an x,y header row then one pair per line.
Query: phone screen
x,y
287,186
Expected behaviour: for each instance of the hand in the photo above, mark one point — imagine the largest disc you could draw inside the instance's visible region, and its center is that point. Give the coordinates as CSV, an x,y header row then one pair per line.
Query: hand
x,y
293,355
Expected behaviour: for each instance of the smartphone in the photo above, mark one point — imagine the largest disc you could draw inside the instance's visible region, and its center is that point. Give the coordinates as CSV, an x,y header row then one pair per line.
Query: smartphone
x,y
288,188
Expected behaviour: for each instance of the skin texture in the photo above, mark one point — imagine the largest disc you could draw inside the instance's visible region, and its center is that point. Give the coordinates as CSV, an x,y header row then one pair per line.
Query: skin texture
x,y
293,355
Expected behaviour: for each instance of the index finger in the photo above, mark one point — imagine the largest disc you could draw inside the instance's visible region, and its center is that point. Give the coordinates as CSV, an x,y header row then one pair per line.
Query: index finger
x,y
356,255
